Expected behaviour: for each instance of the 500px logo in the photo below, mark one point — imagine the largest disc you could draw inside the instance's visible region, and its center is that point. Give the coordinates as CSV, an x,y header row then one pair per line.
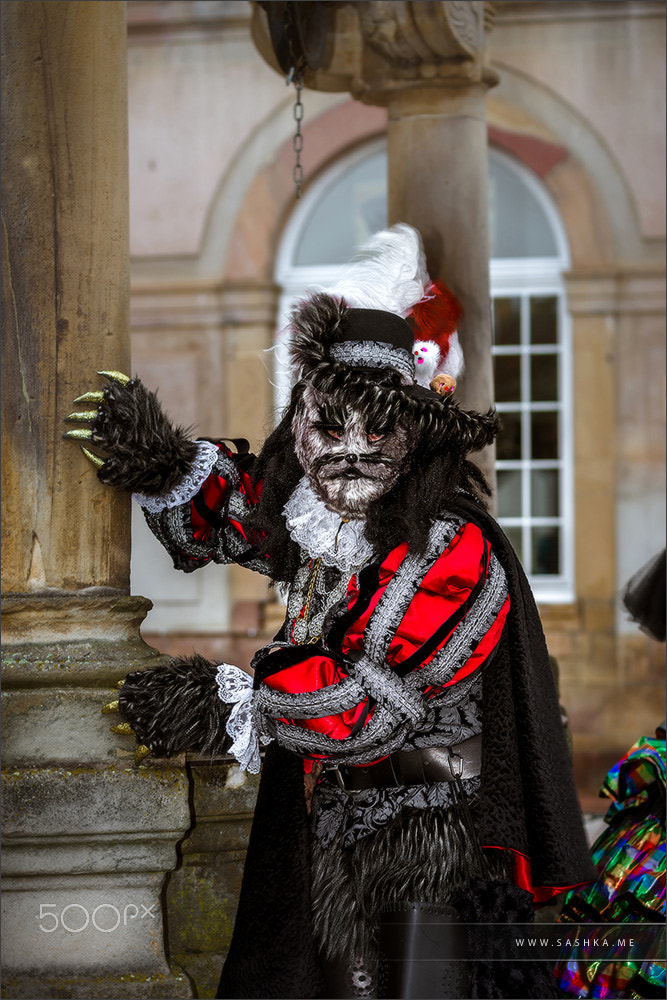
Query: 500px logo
x,y
104,918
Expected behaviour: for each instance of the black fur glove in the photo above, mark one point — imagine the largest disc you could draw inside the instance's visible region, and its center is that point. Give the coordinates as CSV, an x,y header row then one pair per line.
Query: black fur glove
x,y
147,453
176,708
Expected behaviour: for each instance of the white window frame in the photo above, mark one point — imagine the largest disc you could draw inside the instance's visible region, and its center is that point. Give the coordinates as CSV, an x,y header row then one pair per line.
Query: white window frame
x,y
536,277
523,277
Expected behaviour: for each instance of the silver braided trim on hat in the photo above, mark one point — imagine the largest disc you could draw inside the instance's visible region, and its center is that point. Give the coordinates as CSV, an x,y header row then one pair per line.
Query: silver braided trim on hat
x,y
374,354
402,713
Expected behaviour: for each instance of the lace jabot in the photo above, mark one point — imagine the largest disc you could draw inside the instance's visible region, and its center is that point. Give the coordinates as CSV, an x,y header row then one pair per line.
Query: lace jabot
x,y
205,459
322,534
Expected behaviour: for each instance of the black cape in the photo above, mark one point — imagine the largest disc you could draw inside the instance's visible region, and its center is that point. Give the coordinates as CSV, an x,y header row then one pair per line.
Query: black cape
x,y
528,802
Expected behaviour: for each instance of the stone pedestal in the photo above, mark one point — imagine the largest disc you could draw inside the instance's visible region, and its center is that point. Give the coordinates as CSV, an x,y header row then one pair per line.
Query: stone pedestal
x,y
87,837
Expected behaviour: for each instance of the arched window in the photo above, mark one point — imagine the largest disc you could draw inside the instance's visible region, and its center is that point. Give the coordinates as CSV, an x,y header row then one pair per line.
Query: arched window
x,y
532,351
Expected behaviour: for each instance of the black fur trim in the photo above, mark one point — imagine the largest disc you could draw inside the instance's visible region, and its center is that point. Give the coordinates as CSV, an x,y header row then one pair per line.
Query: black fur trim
x,y
176,708
314,324
148,453
439,421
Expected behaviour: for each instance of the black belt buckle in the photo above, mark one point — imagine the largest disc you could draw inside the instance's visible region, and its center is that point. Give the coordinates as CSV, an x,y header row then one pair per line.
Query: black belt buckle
x,y
336,772
455,761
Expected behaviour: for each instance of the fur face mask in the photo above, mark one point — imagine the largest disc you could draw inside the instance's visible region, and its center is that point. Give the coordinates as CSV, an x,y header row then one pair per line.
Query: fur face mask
x,y
349,464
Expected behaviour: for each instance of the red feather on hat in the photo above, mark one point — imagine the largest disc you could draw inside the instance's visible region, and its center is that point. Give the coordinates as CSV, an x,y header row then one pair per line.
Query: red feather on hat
x,y
436,315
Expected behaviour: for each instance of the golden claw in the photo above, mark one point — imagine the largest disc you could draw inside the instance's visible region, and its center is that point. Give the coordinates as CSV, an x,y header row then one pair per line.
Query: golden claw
x,y
92,457
141,752
116,377
112,706
124,728
120,683
95,396
82,416
79,434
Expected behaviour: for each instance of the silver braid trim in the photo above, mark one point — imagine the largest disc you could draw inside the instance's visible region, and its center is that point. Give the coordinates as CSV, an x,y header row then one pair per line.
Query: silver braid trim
x,y
391,691
374,354
379,736
312,704
402,587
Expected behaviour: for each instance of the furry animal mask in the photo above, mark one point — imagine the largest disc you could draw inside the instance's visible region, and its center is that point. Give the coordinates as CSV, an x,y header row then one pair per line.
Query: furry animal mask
x,y
349,459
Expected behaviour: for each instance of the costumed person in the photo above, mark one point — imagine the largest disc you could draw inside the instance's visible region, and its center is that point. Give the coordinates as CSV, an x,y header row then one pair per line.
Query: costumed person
x,y
410,682
630,854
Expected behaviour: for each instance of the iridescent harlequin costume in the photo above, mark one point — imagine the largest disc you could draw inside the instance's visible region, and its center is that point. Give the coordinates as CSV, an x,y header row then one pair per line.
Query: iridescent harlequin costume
x,y
630,889
410,685
630,854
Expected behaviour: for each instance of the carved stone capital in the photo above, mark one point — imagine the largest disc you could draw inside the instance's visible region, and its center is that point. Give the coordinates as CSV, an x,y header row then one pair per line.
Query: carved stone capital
x,y
422,32
376,48
408,44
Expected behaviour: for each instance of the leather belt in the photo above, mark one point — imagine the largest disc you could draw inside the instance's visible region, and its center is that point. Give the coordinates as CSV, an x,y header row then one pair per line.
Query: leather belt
x,y
412,767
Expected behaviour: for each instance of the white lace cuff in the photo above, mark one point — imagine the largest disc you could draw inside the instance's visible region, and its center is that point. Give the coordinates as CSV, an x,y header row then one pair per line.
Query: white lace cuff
x,y
235,687
207,455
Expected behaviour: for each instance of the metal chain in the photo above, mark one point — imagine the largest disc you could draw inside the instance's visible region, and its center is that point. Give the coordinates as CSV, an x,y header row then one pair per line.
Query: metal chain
x,y
297,141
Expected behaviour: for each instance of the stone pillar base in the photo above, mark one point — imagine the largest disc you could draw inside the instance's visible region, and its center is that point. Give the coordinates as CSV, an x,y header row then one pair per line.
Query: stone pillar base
x,y
88,837
202,894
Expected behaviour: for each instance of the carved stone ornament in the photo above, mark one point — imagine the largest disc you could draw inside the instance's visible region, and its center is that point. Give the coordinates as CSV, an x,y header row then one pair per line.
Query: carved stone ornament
x,y
425,31
375,48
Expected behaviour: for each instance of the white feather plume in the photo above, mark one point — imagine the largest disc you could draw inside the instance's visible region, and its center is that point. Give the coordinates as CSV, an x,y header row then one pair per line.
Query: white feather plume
x,y
388,272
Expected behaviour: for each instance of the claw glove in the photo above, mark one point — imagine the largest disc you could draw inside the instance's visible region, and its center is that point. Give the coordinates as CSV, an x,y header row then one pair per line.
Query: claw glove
x,y
192,704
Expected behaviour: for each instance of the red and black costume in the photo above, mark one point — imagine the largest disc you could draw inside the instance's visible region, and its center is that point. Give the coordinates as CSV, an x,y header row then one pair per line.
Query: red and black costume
x,y
465,604
410,679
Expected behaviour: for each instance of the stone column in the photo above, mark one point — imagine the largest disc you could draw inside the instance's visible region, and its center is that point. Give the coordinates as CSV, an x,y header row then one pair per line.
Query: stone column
x,y
438,177
425,62
87,837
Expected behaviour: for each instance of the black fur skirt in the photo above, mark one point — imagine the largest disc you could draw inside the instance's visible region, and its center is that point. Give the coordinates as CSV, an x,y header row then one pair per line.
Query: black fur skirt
x,y
422,856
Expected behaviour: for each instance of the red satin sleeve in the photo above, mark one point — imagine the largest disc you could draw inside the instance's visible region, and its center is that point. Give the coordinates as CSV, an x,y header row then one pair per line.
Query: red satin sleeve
x,y
214,493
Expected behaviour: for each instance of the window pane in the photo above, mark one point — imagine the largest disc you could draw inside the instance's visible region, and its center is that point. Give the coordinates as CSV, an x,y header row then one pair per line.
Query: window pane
x,y
544,493
544,435
509,492
514,535
546,559
507,378
518,226
508,442
507,321
544,378
543,320
349,212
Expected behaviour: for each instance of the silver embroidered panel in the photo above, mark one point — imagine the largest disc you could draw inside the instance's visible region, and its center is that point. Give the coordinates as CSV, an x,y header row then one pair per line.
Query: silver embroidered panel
x,y
374,354
326,587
